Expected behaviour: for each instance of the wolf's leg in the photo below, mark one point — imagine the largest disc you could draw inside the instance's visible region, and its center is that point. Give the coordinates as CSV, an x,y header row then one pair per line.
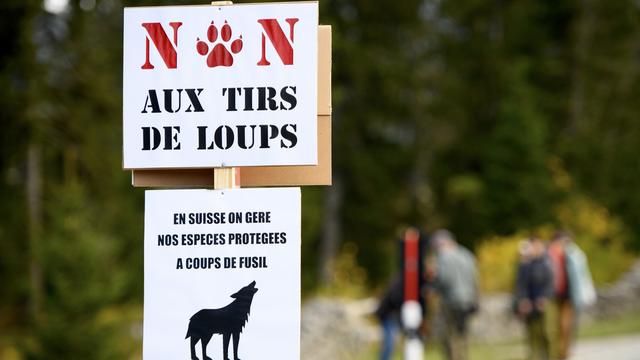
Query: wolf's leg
x,y
205,342
193,348
236,341
225,345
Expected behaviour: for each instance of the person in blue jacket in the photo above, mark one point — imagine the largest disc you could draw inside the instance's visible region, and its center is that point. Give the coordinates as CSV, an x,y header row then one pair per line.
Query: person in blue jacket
x,y
533,291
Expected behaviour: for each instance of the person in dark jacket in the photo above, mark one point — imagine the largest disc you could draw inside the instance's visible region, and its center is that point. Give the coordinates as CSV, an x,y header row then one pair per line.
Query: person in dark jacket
x,y
390,305
533,290
388,313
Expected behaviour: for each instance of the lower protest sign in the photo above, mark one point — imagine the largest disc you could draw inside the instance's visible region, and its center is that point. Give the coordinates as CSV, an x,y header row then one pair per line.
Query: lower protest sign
x,y
222,274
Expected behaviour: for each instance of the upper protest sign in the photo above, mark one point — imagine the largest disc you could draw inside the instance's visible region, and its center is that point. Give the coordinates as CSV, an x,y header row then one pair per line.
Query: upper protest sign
x,y
212,86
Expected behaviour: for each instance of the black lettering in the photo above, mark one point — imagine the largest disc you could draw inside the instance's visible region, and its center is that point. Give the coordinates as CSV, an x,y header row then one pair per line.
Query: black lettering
x,y
273,105
218,137
195,101
168,100
178,219
168,240
202,139
267,132
170,137
248,99
288,97
242,136
231,97
151,102
264,98
289,135
147,136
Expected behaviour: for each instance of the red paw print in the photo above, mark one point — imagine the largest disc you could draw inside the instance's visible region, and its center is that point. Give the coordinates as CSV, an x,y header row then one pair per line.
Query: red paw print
x,y
220,54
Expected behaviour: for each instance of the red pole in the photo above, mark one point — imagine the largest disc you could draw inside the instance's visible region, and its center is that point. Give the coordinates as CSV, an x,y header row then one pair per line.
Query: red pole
x,y
411,312
411,261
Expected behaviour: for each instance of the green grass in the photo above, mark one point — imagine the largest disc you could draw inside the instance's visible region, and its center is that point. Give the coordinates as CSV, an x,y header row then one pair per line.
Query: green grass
x,y
627,324
515,349
506,350
502,351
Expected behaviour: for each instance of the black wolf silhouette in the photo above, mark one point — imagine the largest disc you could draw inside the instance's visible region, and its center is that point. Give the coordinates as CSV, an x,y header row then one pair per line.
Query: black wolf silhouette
x,y
227,321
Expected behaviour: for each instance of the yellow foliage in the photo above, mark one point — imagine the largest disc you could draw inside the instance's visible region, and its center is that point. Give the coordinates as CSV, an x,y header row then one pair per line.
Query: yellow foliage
x,y
599,234
349,278
496,259
10,353
596,231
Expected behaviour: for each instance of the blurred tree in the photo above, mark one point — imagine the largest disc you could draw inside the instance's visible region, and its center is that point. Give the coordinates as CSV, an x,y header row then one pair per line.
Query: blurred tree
x,y
80,217
373,124
600,140
16,81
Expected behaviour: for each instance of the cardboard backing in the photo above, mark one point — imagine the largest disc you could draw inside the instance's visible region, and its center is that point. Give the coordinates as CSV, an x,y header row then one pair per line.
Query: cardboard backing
x,y
256,176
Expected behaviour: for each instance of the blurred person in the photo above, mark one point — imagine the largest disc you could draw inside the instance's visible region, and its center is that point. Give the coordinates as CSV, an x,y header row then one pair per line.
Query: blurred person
x,y
533,290
389,308
573,287
456,281
581,289
388,313
524,251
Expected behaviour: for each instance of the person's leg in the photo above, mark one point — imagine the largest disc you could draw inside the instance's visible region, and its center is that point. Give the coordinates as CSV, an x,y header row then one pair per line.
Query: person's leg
x,y
449,334
531,337
461,335
388,337
455,345
552,326
461,347
565,322
538,340
544,339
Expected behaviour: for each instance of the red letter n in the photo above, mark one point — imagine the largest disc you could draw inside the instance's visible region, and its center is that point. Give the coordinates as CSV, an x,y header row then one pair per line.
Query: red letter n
x,y
165,48
278,39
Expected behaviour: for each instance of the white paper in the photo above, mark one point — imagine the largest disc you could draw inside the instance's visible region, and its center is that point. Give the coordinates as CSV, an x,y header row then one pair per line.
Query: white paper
x,y
172,296
297,24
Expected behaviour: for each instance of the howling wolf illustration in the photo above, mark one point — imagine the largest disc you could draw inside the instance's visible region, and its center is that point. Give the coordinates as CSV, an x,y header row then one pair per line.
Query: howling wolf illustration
x,y
227,321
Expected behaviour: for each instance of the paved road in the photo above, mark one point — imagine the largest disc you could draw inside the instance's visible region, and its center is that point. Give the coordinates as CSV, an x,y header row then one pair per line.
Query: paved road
x,y
615,348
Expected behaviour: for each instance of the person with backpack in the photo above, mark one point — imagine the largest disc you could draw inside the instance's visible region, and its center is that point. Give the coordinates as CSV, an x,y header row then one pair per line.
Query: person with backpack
x,y
455,279
533,291
573,287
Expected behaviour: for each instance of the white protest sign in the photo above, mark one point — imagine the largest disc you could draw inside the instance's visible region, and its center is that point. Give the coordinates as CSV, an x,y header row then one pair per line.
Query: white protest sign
x,y
222,274
211,86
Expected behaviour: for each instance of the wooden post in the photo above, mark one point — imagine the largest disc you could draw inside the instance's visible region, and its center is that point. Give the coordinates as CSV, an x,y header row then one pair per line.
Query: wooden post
x,y
225,178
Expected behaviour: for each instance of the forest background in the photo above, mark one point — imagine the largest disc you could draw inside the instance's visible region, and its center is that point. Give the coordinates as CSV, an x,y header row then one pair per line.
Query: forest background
x,y
493,118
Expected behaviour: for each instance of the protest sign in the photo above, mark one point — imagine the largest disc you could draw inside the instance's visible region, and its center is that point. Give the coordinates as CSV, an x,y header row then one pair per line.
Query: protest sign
x,y
220,86
222,274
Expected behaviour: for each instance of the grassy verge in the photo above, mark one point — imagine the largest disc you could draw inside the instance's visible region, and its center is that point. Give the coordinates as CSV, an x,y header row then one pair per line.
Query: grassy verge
x,y
627,324
515,349
507,350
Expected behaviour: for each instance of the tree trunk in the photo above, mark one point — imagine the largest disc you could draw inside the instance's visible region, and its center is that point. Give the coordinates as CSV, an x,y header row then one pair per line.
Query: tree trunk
x,y
34,231
330,241
580,51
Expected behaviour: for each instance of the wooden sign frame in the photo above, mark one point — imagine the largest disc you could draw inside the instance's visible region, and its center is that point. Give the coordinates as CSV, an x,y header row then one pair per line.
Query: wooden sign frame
x,y
256,176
